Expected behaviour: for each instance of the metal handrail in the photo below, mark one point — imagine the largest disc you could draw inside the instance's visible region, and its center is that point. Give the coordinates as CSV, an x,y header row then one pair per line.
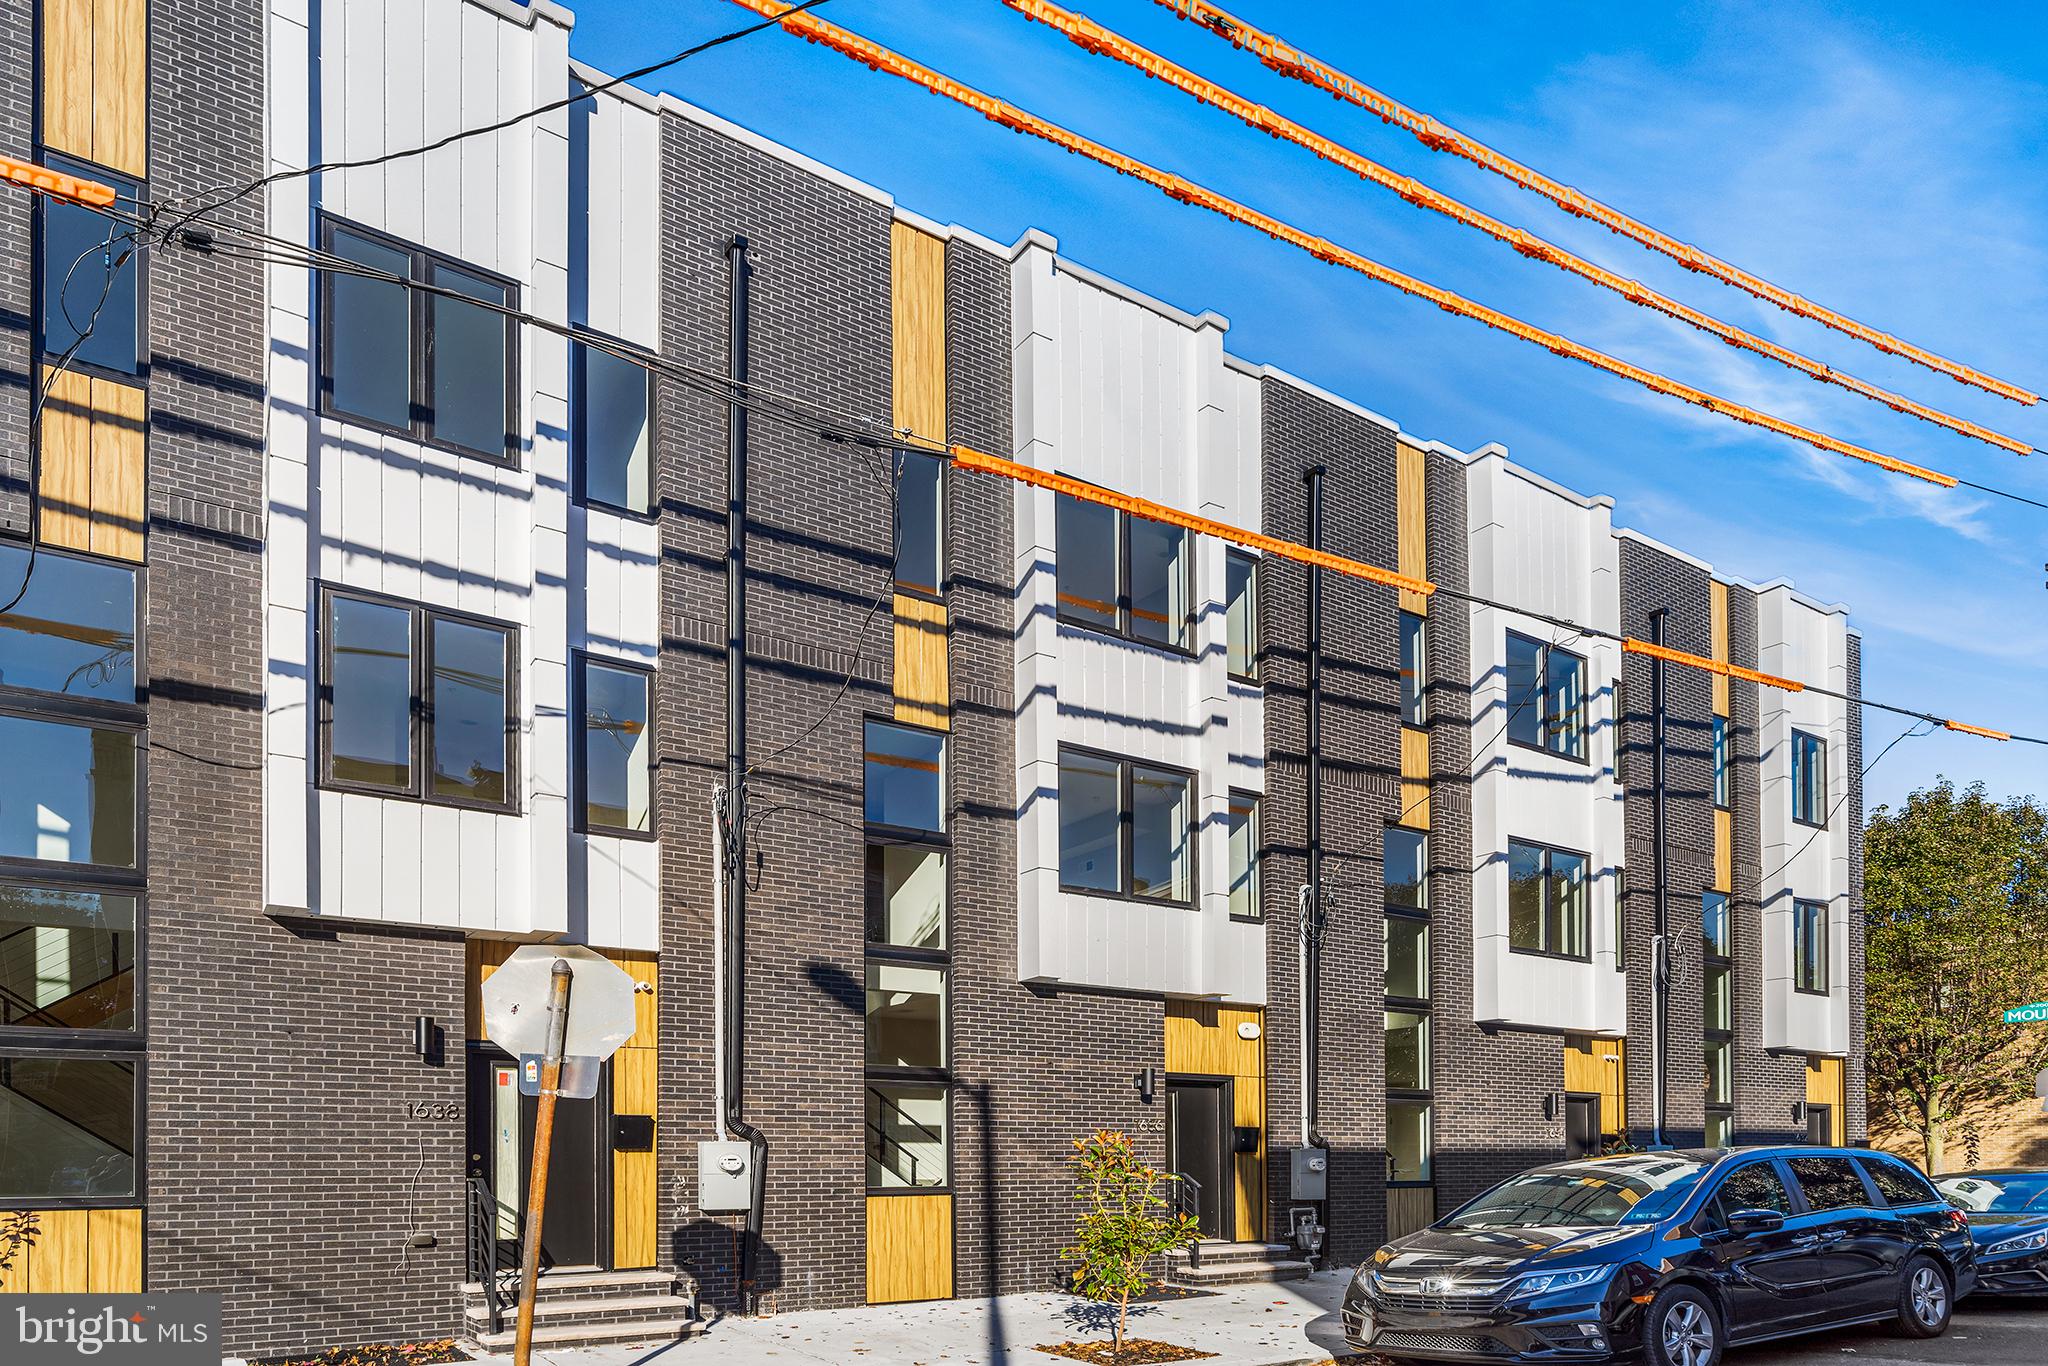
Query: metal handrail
x,y
483,1248
1187,1200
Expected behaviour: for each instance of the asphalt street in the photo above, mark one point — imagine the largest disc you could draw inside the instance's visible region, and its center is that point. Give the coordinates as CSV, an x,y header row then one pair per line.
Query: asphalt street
x,y
1984,1333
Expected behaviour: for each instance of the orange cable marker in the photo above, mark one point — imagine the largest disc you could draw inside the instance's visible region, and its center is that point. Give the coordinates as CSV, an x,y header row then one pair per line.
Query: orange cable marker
x,y
1292,62
879,58
1092,37
1984,731
1630,645
57,184
968,458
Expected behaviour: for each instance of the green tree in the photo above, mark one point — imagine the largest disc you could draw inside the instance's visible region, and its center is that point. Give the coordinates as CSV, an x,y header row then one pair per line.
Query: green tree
x,y
1123,1223
1956,888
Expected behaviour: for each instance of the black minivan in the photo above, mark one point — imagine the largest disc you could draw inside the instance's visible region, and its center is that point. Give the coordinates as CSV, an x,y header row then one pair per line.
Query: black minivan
x,y
1668,1257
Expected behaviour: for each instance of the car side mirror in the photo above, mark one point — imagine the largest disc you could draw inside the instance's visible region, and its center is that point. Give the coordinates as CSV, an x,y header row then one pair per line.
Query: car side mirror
x,y
1747,1222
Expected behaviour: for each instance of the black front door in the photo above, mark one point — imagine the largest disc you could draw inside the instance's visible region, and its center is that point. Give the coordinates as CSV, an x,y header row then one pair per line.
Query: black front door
x,y
1820,1125
1581,1126
501,1124
1197,1147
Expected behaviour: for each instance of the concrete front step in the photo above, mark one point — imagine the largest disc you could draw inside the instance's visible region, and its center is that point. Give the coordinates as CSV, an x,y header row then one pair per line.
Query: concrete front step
x,y
588,1334
587,1285
1220,1253
618,1309
1210,1275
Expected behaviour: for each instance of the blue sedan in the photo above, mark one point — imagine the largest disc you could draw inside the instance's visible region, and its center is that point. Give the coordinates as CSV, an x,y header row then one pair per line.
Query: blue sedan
x,y
2009,1222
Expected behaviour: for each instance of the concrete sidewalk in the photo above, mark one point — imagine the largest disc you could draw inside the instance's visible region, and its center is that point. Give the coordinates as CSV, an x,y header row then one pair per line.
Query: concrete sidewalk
x,y
1261,1325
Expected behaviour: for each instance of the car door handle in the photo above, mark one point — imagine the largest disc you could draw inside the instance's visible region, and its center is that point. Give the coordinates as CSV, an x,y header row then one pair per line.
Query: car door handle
x,y
1807,1240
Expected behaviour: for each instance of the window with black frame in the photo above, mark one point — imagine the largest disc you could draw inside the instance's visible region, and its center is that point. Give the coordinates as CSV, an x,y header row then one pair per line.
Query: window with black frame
x,y
1241,614
1124,575
1721,783
1809,779
1547,901
920,523
433,363
614,429
1247,852
417,702
71,882
91,300
1126,829
1404,883
908,960
1810,946
1717,1018
1546,697
1414,670
616,777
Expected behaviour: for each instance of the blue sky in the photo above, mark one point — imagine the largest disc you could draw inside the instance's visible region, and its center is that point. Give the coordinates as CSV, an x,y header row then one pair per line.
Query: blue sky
x,y
1887,160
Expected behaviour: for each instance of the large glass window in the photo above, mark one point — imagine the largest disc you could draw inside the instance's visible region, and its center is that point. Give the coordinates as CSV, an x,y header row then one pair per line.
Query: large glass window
x,y
920,522
458,392
906,1140
1547,896
1414,670
906,896
73,631
1407,1050
1717,1008
70,796
1720,1129
614,439
1809,779
1717,1015
67,1128
1719,1085
906,776
67,958
1546,697
1244,855
1407,956
1124,574
906,1016
1126,828
1404,868
90,284
1721,762
1241,589
1408,1141
1714,924
417,702
618,749
1810,946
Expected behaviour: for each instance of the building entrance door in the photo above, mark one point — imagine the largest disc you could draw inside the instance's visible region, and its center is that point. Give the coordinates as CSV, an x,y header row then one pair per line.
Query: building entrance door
x,y
1581,1126
501,1123
1198,1146
1820,1124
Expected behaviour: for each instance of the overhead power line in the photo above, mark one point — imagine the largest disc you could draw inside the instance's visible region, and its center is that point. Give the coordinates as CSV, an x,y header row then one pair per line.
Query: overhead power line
x,y
1283,57
874,55
857,429
1092,37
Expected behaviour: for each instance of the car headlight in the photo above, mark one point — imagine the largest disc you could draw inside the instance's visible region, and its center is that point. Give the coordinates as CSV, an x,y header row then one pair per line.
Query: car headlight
x,y
1550,1282
2026,1242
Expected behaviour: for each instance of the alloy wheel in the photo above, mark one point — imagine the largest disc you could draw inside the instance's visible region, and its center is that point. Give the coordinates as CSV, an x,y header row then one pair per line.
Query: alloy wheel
x,y
1929,1296
1688,1335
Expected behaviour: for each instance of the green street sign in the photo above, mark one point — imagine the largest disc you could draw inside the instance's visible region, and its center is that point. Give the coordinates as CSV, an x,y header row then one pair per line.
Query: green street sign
x,y
2037,1013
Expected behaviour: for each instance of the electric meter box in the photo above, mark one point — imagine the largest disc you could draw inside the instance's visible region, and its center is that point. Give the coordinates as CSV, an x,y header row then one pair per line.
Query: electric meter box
x,y
725,1177
1308,1174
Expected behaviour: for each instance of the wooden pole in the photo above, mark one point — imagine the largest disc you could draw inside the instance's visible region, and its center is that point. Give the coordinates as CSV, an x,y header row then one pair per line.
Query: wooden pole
x,y
543,1142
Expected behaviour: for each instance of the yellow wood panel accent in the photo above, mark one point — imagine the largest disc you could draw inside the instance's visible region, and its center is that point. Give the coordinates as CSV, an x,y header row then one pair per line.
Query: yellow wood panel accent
x,y
918,309
921,682
67,76
483,957
1587,1072
634,1193
61,1264
67,461
1415,777
1718,600
1202,1040
114,1258
1724,850
910,1248
1824,1087
120,67
1410,1208
118,462
645,969
1411,501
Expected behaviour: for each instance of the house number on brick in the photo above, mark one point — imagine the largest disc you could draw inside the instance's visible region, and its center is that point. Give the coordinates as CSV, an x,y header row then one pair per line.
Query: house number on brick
x,y
440,1109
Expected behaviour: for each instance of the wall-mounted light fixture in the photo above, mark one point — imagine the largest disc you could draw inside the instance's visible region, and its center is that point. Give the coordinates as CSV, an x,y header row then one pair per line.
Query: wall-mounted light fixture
x,y
1147,1083
1550,1105
426,1037
1799,1113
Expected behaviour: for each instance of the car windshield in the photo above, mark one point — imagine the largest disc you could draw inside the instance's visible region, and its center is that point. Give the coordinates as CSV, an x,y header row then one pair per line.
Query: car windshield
x,y
1998,1192
1623,1190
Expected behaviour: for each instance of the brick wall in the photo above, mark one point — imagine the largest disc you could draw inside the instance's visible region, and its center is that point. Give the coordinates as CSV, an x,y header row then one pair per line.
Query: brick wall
x,y
17,127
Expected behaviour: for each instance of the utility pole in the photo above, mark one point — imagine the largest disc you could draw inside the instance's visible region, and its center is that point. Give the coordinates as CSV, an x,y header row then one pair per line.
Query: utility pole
x,y
1660,944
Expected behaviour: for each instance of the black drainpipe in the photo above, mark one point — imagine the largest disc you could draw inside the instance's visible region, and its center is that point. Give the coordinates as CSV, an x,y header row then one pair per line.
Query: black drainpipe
x,y
739,270
1312,958
1660,966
